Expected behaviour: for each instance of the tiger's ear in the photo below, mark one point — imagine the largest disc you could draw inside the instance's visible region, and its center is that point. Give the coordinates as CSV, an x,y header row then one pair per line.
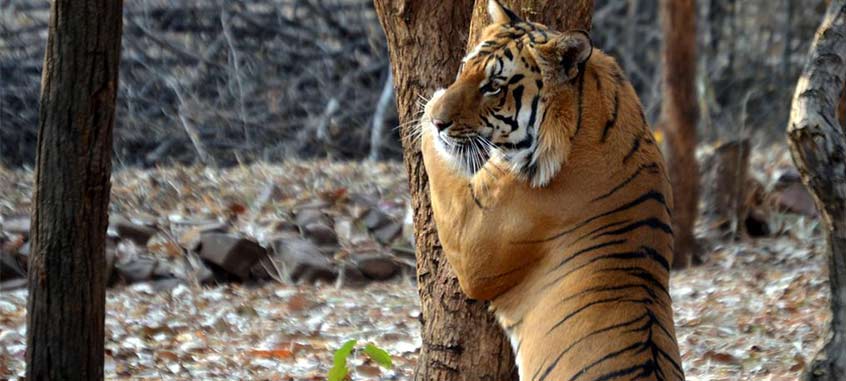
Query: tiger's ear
x,y
562,57
500,14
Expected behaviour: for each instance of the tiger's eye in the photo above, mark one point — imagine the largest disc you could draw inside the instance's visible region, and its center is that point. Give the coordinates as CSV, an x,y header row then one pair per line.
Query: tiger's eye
x,y
491,89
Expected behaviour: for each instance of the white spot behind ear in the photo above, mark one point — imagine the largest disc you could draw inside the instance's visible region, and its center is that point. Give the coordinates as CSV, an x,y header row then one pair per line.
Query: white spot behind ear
x,y
560,57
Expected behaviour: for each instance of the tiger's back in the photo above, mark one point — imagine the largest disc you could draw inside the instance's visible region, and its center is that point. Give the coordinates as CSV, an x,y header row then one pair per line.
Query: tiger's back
x,y
602,286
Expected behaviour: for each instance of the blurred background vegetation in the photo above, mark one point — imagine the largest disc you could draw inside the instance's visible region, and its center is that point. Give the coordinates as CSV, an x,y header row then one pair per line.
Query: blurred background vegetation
x,y
222,82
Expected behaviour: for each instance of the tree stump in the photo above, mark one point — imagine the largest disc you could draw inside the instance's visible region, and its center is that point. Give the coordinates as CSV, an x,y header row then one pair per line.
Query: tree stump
x,y
725,187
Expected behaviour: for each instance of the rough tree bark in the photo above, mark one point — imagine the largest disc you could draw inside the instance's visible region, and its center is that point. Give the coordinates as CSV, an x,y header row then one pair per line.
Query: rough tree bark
x,y
426,41
67,266
679,115
818,146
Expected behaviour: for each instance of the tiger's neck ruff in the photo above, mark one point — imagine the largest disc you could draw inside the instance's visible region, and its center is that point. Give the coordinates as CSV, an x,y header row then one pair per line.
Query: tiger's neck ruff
x,y
552,201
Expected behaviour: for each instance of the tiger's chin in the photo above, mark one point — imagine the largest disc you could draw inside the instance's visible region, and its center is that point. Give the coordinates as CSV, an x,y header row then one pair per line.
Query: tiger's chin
x,y
534,166
468,156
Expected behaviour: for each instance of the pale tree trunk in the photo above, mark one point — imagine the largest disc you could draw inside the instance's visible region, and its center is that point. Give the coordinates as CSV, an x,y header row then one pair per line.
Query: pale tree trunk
x,y
426,41
377,131
66,308
818,146
679,115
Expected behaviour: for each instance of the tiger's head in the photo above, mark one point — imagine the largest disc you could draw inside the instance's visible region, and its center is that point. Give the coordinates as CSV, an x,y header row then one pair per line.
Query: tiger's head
x,y
498,103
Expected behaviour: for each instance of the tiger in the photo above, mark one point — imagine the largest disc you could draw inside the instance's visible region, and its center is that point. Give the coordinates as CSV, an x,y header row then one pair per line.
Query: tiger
x,y
552,202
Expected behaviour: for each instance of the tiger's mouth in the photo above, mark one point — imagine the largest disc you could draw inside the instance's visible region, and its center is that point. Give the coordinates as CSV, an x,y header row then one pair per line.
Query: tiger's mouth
x,y
468,152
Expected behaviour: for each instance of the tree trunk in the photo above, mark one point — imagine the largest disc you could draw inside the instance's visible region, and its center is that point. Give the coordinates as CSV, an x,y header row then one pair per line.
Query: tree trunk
x,y
817,144
679,115
461,340
426,41
70,215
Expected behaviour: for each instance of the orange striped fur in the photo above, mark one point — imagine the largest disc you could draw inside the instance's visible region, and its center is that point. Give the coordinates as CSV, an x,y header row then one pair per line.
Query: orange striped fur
x,y
552,202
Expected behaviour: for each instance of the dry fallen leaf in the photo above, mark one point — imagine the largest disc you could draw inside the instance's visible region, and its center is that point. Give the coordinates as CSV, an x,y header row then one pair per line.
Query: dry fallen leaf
x,y
721,357
278,353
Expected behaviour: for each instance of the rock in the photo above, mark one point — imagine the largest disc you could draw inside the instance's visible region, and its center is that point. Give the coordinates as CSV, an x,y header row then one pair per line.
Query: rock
x,y
14,284
361,203
793,197
386,234
17,226
283,226
350,233
351,276
137,232
11,266
259,271
111,257
213,227
165,270
377,266
303,261
221,276
344,229
164,284
203,225
137,269
321,234
376,218
329,251
234,254
310,216
202,272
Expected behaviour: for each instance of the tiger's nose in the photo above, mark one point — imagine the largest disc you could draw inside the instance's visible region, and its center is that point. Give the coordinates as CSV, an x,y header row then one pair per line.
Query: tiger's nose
x,y
441,124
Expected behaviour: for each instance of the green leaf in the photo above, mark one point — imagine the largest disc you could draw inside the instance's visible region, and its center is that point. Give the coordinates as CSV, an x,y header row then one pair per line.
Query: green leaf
x,y
379,355
339,368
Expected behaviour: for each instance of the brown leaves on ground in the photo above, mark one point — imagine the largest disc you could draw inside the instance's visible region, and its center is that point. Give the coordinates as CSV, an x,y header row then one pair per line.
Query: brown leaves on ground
x,y
755,311
238,333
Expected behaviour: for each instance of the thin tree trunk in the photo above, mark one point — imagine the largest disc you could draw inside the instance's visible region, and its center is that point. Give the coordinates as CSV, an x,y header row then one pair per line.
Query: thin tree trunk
x,y
817,144
377,131
67,266
426,41
788,36
679,115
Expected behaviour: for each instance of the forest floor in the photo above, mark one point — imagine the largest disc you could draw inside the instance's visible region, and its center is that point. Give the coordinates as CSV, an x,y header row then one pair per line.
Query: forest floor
x,y
755,310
